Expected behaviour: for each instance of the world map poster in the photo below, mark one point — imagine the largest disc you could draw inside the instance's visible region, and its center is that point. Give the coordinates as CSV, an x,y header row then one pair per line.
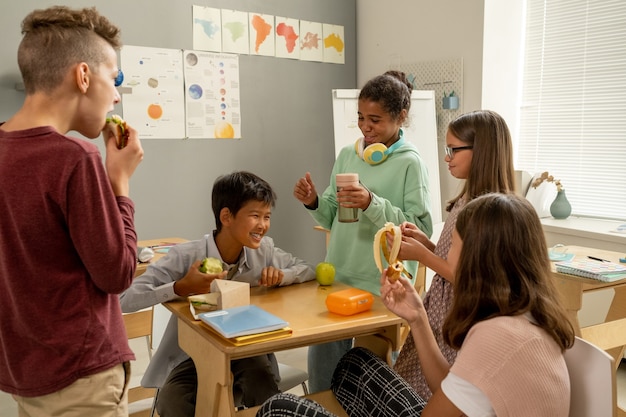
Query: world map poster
x,y
239,32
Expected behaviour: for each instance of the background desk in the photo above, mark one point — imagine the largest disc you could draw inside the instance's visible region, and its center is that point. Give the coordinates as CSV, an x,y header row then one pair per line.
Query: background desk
x,y
303,306
611,334
142,266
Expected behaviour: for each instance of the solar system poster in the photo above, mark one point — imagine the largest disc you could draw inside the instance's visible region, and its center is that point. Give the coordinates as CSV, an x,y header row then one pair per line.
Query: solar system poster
x,y
212,95
153,91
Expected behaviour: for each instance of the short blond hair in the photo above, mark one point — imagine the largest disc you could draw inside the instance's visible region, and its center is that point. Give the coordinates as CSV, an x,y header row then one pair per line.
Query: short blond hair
x,y
59,37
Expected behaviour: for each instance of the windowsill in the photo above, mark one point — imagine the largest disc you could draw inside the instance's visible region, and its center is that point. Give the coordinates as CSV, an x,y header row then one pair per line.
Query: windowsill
x,y
586,228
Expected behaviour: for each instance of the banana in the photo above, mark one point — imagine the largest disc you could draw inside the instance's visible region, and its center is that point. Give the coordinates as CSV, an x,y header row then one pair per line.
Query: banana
x,y
390,255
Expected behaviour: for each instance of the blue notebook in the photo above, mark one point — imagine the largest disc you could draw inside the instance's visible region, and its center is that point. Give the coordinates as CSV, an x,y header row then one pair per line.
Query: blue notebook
x,y
241,321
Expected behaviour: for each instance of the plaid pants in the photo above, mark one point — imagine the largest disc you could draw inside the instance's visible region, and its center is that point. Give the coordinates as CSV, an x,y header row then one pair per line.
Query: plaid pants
x,y
364,385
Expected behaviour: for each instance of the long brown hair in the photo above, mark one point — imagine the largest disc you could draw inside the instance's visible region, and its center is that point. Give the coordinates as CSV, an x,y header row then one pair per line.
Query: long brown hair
x,y
492,158
503,269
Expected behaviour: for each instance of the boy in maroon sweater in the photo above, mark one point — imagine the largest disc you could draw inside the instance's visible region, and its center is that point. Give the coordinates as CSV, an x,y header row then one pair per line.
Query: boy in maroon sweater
x,y
67,238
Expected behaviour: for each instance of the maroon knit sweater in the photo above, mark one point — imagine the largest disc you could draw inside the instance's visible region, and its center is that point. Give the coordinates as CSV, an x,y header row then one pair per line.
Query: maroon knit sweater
x,y
67,248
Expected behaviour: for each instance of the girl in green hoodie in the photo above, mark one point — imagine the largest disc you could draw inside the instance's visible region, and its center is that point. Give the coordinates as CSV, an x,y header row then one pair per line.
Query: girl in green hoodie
x,y
393,188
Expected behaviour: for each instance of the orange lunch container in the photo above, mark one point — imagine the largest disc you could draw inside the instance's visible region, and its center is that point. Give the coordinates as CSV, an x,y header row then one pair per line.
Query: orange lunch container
x,y
350,301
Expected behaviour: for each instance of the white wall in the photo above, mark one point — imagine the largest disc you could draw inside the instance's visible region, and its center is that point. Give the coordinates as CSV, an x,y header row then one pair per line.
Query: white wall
x,y
397,31
502,58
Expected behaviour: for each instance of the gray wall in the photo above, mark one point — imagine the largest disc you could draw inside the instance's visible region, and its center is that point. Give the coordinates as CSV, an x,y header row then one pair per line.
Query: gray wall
x,y
286,106
406,31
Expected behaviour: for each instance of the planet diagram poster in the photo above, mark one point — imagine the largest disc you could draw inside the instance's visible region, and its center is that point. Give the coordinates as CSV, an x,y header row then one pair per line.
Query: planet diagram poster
x,y
212,99
153,91
175,94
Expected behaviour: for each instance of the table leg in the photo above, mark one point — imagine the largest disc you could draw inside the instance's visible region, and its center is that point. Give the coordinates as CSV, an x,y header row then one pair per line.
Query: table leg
x,y
571,293
380,345
215,397
617,311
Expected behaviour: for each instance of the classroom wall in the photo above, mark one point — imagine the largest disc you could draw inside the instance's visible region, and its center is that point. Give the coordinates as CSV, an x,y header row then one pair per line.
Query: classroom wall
x,y
407,31
286,108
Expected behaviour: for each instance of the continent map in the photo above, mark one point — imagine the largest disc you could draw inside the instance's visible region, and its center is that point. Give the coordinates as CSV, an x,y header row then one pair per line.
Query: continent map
x,y
241,32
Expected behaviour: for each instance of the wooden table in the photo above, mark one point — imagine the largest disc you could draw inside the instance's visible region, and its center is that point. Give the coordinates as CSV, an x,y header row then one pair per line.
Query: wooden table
x,y
303,306
611,334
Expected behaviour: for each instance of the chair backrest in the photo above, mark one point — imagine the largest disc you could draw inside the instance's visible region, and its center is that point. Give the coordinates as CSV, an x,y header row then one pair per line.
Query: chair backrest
x,y
291,377
139,324
592,379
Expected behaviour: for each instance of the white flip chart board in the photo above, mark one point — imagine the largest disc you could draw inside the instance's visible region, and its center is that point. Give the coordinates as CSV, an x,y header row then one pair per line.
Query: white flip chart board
x,y
421,130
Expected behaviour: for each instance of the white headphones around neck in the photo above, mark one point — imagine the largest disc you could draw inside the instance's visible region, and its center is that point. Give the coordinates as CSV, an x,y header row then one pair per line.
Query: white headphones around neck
x,y
376,153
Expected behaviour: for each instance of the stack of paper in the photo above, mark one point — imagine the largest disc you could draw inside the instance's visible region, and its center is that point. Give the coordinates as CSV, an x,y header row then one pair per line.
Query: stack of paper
x,y
238,323
588,268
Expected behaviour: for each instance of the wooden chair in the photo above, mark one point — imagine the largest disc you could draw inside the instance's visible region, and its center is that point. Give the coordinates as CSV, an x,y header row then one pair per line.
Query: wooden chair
x,y
592,379
139,324
610,337
326,231
420,287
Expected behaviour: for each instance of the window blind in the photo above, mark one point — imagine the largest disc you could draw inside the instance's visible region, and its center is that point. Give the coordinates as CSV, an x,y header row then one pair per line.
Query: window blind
x,y
573,109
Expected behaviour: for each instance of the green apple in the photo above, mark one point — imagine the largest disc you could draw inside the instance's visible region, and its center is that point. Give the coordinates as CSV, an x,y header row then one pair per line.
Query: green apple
x,y
325,273
211,266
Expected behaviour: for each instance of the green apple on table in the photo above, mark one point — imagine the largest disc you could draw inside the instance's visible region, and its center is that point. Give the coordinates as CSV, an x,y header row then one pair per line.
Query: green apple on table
x,y
325,273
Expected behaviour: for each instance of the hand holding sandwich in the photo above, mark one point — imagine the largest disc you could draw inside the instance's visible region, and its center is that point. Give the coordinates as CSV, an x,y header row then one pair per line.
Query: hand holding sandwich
x,y
123,153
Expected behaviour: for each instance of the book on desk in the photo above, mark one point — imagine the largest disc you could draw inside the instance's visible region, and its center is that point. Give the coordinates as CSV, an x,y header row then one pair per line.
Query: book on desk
x,y
594,269
246,324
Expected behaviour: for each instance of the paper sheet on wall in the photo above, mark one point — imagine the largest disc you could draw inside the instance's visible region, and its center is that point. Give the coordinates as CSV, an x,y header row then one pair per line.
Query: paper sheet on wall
x,y
287,34
212,95
207,29
153,91
262,41
235,37
334,44
311,47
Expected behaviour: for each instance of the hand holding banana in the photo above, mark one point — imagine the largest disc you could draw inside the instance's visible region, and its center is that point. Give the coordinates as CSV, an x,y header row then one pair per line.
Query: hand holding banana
x,y
395,267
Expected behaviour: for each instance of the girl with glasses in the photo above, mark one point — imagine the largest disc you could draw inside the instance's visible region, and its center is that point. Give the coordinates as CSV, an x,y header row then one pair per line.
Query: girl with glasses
x,y
478,150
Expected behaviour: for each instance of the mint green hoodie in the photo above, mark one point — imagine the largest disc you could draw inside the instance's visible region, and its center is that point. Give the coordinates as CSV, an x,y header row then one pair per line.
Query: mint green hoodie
x,y
399,188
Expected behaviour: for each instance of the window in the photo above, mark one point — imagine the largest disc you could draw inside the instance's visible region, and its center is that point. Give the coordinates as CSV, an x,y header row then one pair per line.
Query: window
x,y
573,110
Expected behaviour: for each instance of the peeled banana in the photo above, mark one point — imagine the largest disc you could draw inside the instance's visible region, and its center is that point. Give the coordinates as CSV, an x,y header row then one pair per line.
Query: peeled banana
x,y
395,267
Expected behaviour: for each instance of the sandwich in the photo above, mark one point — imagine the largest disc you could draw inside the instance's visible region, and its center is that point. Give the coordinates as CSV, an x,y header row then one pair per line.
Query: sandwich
x,y
118,126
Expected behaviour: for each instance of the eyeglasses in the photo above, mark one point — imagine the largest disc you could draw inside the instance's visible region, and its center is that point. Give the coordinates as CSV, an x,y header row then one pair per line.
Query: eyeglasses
x,y
451,151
